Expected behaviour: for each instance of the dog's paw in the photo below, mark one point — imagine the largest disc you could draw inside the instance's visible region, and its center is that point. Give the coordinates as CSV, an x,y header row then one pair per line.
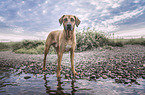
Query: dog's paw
x,y
44,69
76,73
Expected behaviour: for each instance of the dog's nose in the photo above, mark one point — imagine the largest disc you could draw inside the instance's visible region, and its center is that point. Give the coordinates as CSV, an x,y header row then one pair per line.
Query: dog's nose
x,y
68,25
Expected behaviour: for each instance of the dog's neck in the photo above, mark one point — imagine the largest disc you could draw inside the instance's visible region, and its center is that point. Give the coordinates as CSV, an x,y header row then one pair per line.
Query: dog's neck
x,y
71,35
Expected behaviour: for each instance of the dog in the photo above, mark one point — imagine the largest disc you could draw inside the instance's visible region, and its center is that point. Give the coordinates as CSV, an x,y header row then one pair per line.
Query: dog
x,y
62,41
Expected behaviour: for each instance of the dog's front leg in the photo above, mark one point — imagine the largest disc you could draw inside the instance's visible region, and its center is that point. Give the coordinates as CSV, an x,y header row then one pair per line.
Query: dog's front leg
x,y
72,62
60,54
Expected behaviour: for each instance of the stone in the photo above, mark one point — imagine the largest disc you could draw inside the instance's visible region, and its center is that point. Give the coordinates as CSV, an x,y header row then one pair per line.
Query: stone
x,y
104,77
97,76
143,76
133,79
67,76
92,77
27,77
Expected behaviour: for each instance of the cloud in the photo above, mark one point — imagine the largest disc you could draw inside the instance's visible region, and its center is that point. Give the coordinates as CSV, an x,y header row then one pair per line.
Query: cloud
x,y
40,16
16,37
2,19
109,25
131,33
101,4
124,16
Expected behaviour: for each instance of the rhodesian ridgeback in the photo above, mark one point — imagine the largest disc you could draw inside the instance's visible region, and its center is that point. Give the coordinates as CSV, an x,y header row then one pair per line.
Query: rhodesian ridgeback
x,y
62,41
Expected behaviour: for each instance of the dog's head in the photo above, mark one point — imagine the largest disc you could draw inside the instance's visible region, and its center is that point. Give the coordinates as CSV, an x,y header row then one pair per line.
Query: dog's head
x,y
69,22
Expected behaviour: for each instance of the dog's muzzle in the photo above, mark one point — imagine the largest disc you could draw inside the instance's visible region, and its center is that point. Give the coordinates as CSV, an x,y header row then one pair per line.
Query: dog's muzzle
x,y
69,29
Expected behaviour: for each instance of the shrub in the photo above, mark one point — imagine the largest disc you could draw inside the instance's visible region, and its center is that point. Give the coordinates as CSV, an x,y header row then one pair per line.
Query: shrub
x,y
28,44
40,49
4,46
89,39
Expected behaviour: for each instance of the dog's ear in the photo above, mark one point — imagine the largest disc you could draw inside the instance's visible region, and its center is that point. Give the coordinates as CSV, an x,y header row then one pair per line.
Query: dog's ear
x,y
61,19
77,21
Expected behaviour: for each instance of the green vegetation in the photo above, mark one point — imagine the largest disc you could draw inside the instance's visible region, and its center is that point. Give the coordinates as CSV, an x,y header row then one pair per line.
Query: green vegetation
x,y
86,40
30,47
5,46
89,39
138,41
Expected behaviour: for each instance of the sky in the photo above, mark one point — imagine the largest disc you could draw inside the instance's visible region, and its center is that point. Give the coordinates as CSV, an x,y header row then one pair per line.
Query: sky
x,y
34,19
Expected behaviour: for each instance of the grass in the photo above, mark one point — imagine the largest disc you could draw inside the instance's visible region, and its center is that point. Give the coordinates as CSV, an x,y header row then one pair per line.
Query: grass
x,y
5,46
137,41
86,40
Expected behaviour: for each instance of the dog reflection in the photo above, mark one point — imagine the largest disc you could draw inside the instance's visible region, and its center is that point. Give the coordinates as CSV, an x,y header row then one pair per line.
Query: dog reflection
x,y
59,90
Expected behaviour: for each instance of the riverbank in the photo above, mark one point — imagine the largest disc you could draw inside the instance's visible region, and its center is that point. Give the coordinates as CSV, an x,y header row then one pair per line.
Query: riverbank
x,y
123,64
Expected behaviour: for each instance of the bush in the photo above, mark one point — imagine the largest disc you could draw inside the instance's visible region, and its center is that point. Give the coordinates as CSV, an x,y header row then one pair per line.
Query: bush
x,y
143,43
89,39
40,49
28,44
4,46
31,47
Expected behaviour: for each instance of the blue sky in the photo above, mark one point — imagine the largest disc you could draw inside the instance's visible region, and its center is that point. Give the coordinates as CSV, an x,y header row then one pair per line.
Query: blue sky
x,y
34,19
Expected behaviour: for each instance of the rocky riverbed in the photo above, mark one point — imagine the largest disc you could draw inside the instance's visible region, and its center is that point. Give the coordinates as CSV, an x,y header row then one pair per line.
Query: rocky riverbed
x,y
123,64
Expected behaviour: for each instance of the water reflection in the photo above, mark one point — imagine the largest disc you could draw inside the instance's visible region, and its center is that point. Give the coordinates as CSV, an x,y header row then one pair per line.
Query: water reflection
x,y
59,90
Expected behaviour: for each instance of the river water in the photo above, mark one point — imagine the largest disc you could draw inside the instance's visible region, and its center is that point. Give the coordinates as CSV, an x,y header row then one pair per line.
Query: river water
x,y
16,82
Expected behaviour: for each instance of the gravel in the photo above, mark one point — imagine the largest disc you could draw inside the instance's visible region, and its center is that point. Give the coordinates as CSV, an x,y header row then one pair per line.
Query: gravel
x,y
123,64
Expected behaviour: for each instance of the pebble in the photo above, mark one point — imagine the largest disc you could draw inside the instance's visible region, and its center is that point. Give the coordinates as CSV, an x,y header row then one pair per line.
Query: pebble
x,y
124,66
133,79
27,77
67,76
97,76
143,76
104,77
93,77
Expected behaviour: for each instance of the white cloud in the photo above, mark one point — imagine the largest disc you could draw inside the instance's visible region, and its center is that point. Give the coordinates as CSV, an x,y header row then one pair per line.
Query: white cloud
x,y
42,35
103,4
131,33
15,37
125,15
2,19
136,1
109,24
12,29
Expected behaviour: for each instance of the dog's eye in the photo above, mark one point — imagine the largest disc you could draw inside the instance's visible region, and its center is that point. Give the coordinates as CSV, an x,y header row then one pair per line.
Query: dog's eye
x,y
72,20
65,19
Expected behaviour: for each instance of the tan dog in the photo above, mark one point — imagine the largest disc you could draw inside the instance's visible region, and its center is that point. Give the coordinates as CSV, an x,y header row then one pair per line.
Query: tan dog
x,y
62,41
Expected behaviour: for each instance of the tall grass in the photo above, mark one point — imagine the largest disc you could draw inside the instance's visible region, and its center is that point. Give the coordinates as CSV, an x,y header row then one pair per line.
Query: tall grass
x,y
5,46
88,39
31,47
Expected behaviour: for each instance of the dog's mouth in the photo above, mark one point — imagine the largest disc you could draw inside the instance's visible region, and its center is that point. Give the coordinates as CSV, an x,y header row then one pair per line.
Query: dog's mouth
x,y
68,30
68,33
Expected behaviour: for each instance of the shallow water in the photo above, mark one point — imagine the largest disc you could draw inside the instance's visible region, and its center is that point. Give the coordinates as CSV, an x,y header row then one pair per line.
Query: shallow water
x,y
13,82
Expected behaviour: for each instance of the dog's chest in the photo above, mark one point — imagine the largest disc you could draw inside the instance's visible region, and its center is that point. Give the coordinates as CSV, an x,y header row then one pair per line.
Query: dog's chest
x,y
68,47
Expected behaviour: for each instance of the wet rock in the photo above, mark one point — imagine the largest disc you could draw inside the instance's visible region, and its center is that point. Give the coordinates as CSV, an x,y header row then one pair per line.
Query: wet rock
x,y
112,76
67,76
104,77
117,80
93,77
143,76
97,76
119,77
133,79
27,77
124,65
126,81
